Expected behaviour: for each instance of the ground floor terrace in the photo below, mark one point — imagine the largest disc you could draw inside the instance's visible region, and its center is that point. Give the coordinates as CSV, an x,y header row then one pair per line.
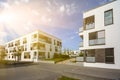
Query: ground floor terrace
x,y
35,55
103,57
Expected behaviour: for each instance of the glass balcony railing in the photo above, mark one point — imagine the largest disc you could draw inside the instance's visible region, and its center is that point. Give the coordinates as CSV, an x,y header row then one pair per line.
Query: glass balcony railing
x,y
43,40
81,29
81,44
92,42
34,39
42,48
37,48
101,41
90,59
90,26
97,41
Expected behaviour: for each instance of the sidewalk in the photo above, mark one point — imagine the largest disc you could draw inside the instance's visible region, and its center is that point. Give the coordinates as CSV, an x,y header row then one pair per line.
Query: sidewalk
x,y
104,74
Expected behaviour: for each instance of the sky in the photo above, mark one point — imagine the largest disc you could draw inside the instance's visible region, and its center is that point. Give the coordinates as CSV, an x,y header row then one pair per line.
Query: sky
x,y
61,18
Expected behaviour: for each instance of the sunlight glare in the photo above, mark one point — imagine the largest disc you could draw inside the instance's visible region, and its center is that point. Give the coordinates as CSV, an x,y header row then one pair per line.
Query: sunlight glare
x,y
8,17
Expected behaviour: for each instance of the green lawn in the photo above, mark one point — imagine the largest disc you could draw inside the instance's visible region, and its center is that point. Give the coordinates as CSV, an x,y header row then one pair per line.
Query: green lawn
x,y
66,78
57,59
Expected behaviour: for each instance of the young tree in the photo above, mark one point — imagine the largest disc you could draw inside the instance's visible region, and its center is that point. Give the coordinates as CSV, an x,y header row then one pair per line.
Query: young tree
x,y
2,55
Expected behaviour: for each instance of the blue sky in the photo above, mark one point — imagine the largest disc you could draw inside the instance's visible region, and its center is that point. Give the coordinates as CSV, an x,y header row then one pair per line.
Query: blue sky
x,y
62,18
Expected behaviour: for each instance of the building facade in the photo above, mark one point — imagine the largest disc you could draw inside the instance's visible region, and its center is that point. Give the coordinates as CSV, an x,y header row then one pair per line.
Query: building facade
x,y
33,47
100,35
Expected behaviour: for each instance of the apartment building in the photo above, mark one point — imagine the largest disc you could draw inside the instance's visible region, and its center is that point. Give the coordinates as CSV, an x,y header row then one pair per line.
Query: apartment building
x,y
33,47
100,36
2,52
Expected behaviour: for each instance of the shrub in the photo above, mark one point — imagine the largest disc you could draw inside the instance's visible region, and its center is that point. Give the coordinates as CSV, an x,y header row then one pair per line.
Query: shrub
x,y
60,56
81,54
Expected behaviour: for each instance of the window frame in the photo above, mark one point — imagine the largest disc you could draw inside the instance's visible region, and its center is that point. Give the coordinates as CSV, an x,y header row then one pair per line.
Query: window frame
x,y
112,17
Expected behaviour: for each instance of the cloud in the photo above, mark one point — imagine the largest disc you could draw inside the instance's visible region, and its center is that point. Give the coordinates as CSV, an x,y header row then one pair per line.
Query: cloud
x,y
23,16
35,12
62,8
3,34
68,9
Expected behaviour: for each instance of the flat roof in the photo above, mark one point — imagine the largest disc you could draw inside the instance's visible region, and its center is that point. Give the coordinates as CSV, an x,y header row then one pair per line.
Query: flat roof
x,y
99,6
33,33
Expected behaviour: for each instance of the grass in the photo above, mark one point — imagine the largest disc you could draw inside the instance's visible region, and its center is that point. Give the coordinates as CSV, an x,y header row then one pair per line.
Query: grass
x,y
7,62
66,78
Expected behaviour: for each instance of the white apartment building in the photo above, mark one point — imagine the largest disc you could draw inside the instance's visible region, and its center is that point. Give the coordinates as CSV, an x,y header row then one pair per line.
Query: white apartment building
x,y
33,47
101,36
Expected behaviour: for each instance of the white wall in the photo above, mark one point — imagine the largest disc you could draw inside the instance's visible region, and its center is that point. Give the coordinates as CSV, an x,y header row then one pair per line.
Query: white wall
x,y
112,33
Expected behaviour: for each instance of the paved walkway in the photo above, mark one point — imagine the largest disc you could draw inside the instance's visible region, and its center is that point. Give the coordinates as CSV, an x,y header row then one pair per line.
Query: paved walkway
x,y
86,72
111,74
45,71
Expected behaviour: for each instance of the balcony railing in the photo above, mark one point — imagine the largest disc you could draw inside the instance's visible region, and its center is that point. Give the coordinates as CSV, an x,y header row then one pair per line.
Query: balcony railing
x,y
81,44
100,41
37,48
34,39
81,29
90,59
90,26
43,40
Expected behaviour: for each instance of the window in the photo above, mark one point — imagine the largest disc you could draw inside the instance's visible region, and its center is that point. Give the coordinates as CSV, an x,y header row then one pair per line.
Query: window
x,y
50,48
101,34
24,40
54,42
34,36
108,17
26,55
109,55
35,54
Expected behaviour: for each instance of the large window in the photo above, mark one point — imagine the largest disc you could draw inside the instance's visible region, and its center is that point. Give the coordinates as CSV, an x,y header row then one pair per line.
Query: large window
x,y
26,55
97,38
109,55
108,17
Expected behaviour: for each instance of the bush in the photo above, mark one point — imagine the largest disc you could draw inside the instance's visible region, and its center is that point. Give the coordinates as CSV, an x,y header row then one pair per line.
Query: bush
x,y
60,56
5,62
81,54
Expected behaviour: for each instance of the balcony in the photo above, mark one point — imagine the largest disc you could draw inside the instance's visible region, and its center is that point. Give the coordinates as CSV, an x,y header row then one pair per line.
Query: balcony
x,y
90,26
17,43
34,39
37,46
43,40
100,41
90,59
81,44
81,29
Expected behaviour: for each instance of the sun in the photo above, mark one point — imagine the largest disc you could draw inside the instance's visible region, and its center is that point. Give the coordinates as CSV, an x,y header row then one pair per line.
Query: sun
x,y
8,17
